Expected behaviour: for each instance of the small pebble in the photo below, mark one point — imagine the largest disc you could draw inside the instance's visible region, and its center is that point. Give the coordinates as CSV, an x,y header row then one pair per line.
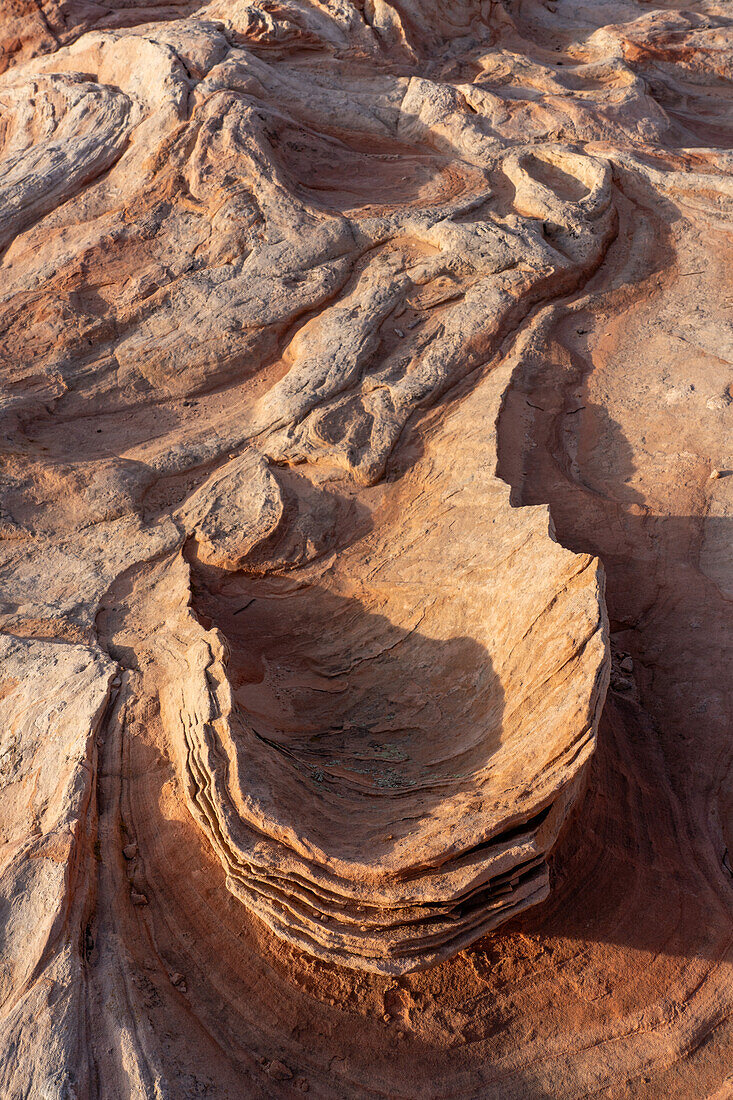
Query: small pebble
x,y
399,332
627,665
138,899
714,475
279,1071
386,1017
129,851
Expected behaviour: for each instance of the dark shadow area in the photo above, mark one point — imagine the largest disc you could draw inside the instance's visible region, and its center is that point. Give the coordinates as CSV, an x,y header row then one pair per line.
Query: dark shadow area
x,y
567,187
642,864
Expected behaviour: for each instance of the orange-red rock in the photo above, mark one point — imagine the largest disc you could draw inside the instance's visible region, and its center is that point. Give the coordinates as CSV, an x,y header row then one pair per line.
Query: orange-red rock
x,y
350,353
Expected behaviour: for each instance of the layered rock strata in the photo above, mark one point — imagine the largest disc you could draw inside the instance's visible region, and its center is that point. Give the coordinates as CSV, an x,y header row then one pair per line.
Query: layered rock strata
x,y
409,722
301,691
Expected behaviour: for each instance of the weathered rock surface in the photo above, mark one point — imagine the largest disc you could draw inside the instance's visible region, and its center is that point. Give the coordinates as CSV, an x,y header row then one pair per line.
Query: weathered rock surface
x,y
308,312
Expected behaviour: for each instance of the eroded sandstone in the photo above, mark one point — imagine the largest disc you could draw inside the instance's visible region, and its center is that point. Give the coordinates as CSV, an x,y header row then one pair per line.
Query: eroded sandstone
x,y
302,678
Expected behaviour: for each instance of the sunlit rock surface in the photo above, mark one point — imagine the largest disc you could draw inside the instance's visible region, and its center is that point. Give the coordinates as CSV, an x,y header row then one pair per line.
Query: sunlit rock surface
x,y
355,359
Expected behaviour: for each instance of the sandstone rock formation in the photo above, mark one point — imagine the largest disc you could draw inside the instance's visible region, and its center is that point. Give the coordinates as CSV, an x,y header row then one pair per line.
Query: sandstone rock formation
x,y
343,346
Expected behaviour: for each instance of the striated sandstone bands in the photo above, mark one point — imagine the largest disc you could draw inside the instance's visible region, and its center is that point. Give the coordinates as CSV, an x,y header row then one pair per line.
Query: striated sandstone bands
x,y
308,311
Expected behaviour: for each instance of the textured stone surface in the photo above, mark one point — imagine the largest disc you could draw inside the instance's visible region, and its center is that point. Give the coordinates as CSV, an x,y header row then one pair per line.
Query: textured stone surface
x,y
308,312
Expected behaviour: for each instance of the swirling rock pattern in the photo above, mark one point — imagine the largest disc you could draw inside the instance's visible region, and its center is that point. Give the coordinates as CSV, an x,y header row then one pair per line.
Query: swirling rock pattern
x,y
347,348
